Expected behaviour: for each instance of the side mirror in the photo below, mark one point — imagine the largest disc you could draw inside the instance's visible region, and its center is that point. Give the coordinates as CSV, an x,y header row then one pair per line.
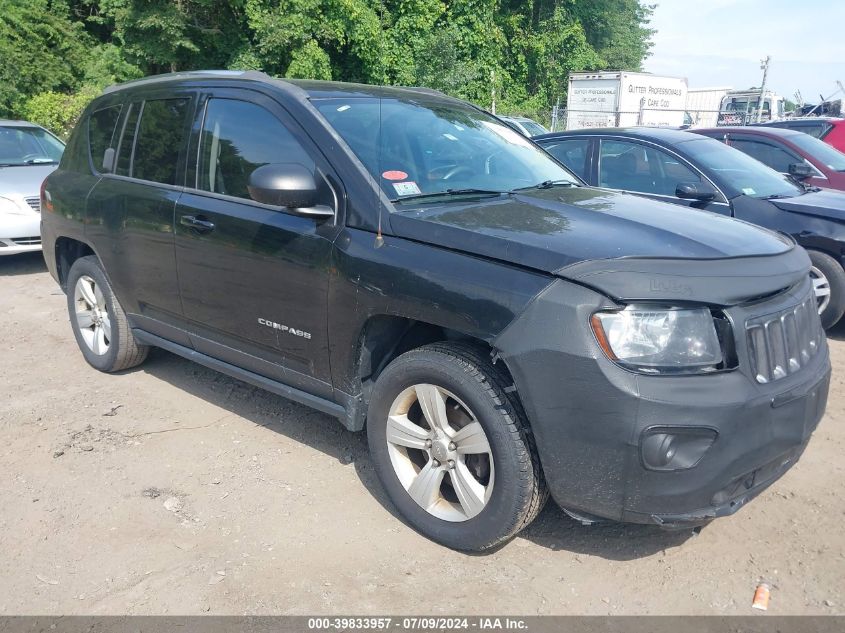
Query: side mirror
x,y
694,191
288,185
108,160
800,171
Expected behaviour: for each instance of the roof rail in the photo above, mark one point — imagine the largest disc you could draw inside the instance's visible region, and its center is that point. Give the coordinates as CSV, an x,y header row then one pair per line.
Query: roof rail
x,y
254,75
424,90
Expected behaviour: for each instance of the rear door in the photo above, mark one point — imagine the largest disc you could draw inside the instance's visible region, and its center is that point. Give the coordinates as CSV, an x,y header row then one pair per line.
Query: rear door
x,y
254,278
130,212
654,172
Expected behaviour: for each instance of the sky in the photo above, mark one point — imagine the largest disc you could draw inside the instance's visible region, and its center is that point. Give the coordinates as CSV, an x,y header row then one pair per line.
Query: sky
x,y
720,43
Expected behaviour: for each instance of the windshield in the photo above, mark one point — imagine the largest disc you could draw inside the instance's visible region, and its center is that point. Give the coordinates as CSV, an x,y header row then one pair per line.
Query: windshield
x,y
533,128
28,146
821,151
431,146
738,170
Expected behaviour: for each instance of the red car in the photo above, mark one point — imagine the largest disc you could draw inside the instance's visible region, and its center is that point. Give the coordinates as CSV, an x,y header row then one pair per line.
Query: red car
x,y
790,152
831,130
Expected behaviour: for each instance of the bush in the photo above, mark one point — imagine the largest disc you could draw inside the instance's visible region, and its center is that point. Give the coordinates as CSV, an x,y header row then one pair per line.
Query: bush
x,y
56,111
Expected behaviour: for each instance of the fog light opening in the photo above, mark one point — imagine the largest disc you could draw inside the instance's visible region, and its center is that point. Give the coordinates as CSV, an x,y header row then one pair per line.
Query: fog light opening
x,y
675,448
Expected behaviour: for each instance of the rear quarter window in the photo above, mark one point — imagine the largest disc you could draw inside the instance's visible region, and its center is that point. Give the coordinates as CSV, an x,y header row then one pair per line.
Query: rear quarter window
x,y
101,133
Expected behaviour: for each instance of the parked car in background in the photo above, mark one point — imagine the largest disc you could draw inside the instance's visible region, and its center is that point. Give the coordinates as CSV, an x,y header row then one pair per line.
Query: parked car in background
x,y
790,152
28,153
524,125
691,170
401,258
831,130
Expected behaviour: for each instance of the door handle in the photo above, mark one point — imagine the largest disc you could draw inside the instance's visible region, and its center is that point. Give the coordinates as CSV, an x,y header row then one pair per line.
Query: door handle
x,y
199,224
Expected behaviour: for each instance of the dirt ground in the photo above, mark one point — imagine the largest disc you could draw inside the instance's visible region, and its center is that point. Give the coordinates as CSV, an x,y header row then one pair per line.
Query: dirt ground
x,y
173,489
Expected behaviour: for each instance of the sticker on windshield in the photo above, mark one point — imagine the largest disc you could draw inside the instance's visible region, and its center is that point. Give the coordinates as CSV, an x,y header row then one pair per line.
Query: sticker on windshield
x,y
408,188
394,174
748,191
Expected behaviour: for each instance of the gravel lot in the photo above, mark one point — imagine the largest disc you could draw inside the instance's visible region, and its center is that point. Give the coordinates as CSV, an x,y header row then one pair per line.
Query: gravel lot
x,y
173,489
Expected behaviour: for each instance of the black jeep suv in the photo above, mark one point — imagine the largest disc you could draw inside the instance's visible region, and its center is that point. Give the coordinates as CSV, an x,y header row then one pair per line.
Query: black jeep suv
x,y
406,262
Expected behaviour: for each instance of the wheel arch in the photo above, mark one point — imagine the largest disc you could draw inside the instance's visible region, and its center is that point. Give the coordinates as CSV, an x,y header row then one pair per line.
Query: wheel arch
x,y
67,251
384,338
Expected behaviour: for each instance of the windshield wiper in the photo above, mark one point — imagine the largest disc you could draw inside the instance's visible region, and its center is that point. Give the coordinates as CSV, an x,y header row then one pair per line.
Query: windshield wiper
x,y
451,192
777,196
548,184
40,161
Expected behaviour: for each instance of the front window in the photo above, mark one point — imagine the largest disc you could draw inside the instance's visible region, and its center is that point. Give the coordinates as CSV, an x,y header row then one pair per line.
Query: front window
x,y
775,157
429,146
642,169
238,137
821,151
28,146
739,171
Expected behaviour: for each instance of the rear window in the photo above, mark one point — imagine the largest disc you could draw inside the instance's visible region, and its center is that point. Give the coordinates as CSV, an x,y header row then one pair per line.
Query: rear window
x,y
101,136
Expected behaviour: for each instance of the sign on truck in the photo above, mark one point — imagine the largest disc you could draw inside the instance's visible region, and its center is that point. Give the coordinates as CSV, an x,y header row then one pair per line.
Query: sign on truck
x,y
621,99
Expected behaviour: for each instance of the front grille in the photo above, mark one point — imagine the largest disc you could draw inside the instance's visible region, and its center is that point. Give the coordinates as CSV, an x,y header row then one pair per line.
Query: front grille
x,y
27,241
35,203
780,344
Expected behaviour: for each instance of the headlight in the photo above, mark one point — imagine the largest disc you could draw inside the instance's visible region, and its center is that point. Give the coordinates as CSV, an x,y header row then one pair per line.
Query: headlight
x,y
659,340
10,206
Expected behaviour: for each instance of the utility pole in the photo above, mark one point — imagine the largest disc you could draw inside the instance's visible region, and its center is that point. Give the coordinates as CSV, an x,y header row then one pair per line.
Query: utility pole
x,y
764,66
493,90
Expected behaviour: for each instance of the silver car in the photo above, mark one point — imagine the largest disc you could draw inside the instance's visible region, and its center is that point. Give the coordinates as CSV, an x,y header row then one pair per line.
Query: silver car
x,y
524,125
28,153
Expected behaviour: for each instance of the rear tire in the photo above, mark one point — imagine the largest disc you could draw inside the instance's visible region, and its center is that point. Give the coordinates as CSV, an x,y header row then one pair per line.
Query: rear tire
x,y
828,276
98,320
471,479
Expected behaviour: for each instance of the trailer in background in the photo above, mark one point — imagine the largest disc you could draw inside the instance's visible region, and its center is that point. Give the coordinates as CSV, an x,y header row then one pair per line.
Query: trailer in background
x,y
704,104
623,99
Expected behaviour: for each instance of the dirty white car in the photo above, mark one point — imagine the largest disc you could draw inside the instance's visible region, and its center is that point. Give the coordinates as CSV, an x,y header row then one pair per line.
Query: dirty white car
x,y
28,153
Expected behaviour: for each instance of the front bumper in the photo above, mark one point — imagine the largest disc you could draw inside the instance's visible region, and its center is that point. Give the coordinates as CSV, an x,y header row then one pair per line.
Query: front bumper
x,y
20,234
588,416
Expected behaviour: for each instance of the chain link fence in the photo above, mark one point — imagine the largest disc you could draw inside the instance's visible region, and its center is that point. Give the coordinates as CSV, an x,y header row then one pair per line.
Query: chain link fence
x,y
563,119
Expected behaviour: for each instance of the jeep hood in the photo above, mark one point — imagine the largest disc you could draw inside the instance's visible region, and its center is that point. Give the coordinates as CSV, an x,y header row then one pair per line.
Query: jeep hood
x,y
625,246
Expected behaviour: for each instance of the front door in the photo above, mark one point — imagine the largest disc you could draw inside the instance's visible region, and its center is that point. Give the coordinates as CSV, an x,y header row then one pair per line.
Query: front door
x,y
254,278
649,171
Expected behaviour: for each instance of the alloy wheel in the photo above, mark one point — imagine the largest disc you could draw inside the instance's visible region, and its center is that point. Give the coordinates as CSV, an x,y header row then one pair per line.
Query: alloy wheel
x,y
92,316
440,452
821,287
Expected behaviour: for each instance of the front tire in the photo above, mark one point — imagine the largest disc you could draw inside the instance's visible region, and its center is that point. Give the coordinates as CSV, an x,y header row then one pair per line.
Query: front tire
x,y
453,449
829,285
98,320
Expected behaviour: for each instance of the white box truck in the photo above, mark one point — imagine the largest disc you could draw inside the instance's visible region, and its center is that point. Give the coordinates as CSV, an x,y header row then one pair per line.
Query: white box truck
x,y
622,99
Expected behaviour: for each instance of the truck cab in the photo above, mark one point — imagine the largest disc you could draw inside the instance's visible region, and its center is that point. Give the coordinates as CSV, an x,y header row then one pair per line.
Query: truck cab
x,y
741,107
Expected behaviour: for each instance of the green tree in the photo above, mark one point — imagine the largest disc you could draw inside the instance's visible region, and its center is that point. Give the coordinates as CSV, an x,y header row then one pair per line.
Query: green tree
x,y
41,49
56,111
524,50
616,29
